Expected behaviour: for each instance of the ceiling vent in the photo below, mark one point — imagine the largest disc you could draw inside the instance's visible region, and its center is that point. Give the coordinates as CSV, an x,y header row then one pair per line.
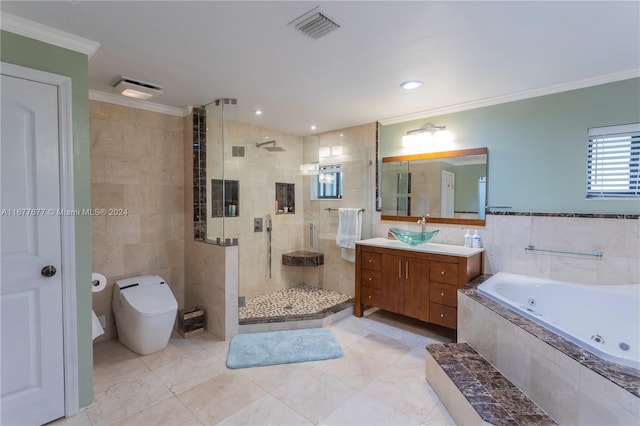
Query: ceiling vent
x,y
315,23
137,89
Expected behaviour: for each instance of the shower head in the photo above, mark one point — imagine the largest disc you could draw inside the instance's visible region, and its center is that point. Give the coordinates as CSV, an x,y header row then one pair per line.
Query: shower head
x,y
273,148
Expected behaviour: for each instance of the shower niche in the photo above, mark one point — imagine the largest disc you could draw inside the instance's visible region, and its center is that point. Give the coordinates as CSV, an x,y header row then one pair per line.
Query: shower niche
x,y
225,198
285,198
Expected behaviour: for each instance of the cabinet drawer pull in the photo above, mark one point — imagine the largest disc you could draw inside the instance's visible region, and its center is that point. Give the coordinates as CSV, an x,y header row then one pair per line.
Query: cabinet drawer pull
x,y
370,260
406,270
442,294
442,273
370,278
441,315
370,297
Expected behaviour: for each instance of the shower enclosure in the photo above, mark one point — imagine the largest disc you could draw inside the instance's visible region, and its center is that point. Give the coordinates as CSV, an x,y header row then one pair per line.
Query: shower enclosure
x,y
276,196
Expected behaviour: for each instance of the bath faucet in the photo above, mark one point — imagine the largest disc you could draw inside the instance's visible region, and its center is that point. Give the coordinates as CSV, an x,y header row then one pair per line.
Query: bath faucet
x,y
423,222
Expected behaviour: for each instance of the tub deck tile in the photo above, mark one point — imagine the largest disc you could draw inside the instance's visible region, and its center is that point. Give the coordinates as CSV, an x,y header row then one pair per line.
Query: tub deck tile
x,y
496,400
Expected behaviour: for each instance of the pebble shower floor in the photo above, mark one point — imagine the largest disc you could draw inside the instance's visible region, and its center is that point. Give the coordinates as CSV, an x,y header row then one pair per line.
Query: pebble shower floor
x,y
299,300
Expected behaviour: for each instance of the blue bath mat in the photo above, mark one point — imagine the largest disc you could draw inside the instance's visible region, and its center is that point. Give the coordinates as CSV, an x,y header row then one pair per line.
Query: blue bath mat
x,y
282,347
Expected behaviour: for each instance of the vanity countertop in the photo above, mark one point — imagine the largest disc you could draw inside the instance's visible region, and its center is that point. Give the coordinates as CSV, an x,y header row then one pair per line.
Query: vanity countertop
x,y
447,249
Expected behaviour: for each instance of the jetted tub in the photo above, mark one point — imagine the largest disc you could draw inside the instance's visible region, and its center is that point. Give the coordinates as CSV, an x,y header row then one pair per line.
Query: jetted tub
x,y
604,320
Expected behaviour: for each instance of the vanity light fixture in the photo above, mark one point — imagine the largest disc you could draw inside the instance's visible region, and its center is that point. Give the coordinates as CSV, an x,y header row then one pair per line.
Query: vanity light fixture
x,y
427,128
429,133
136,88
411,84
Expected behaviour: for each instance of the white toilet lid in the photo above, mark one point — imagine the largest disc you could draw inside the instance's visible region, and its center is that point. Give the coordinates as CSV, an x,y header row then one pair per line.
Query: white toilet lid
x,y
150,300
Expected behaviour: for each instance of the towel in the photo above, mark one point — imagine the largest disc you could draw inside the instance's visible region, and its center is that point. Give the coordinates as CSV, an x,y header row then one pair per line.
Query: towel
x,y
349,230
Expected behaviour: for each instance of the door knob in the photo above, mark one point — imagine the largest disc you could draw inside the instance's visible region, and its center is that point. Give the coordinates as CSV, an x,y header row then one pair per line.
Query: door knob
x,y
48,271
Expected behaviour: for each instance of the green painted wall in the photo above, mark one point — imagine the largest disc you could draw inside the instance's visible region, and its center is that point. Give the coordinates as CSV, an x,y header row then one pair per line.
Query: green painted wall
x,y
466,193
538,146
34,54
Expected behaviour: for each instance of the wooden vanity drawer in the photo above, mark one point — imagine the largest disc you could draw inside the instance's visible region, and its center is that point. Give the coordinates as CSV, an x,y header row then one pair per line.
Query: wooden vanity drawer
x,y
371,296
443,315
443,294
371,261
444,272
371,279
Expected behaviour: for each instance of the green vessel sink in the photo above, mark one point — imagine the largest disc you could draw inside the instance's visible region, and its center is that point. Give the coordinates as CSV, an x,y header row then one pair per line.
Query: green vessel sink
x,y
413,238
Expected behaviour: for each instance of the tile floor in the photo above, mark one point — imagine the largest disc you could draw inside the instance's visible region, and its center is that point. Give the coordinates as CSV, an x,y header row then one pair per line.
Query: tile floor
x,y
379,381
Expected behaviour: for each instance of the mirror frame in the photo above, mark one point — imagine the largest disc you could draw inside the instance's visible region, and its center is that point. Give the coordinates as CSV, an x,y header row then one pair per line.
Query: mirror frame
x,y
435,155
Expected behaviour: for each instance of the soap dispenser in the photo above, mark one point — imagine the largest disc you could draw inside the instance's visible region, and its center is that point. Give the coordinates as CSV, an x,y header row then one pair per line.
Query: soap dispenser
x,y
476,242
467,238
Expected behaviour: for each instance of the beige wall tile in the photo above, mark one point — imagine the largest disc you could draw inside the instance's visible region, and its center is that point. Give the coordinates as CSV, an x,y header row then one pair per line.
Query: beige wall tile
x,y
137,165
107,196
123,230
109,260
98,231
119,113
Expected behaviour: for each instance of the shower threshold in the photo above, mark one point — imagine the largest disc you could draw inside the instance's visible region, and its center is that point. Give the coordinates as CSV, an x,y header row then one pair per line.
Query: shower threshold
x,y
300,303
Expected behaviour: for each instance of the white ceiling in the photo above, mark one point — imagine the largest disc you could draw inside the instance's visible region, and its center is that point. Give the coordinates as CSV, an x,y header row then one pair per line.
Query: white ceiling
x,y
465,52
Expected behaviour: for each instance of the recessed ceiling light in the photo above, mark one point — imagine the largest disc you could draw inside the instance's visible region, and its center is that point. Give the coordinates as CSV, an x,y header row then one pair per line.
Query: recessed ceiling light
x,y
411,84
258,112
313,127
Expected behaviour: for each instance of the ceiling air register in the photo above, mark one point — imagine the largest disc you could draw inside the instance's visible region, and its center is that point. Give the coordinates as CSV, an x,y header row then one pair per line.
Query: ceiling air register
x,y
315,23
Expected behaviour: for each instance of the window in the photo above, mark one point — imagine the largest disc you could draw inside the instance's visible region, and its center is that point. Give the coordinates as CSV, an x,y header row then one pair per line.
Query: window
x,y
613,162
327,184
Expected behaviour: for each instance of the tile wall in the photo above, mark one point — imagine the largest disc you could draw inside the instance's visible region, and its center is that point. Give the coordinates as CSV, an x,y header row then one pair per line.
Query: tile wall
x,y
137,175
506,236
209,279
358,166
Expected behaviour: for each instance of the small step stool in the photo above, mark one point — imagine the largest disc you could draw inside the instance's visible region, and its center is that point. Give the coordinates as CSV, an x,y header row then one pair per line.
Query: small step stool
x,y
191,322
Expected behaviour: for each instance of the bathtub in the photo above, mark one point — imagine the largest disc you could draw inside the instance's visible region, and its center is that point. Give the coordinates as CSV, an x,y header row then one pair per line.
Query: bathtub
x,y
604,320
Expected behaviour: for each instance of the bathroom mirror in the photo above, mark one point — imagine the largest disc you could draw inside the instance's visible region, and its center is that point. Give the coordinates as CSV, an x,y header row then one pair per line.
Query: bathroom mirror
x,y
449,186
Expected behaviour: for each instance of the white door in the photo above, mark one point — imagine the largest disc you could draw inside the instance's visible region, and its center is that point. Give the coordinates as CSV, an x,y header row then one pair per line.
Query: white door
x,y
448,183
32,323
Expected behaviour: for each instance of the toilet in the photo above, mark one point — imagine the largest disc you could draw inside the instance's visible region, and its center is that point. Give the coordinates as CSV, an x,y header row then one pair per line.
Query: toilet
x,y
145,311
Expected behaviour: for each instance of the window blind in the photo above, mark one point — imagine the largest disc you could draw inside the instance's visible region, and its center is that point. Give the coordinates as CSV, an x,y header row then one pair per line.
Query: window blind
x,y
613,162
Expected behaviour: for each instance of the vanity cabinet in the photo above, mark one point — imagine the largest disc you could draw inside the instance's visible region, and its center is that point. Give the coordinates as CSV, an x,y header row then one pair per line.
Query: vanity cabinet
x,y
416,283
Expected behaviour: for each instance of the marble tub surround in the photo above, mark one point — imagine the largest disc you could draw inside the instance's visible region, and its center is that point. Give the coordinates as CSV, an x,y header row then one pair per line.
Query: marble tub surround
x,y
490,397
568,382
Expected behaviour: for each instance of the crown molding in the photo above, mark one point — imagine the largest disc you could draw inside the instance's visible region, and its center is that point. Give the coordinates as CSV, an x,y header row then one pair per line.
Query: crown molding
x,y
113,98
518,96
44,33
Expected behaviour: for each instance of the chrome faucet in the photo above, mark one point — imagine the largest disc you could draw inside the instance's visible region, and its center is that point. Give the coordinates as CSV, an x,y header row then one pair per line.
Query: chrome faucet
x,y
423,222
